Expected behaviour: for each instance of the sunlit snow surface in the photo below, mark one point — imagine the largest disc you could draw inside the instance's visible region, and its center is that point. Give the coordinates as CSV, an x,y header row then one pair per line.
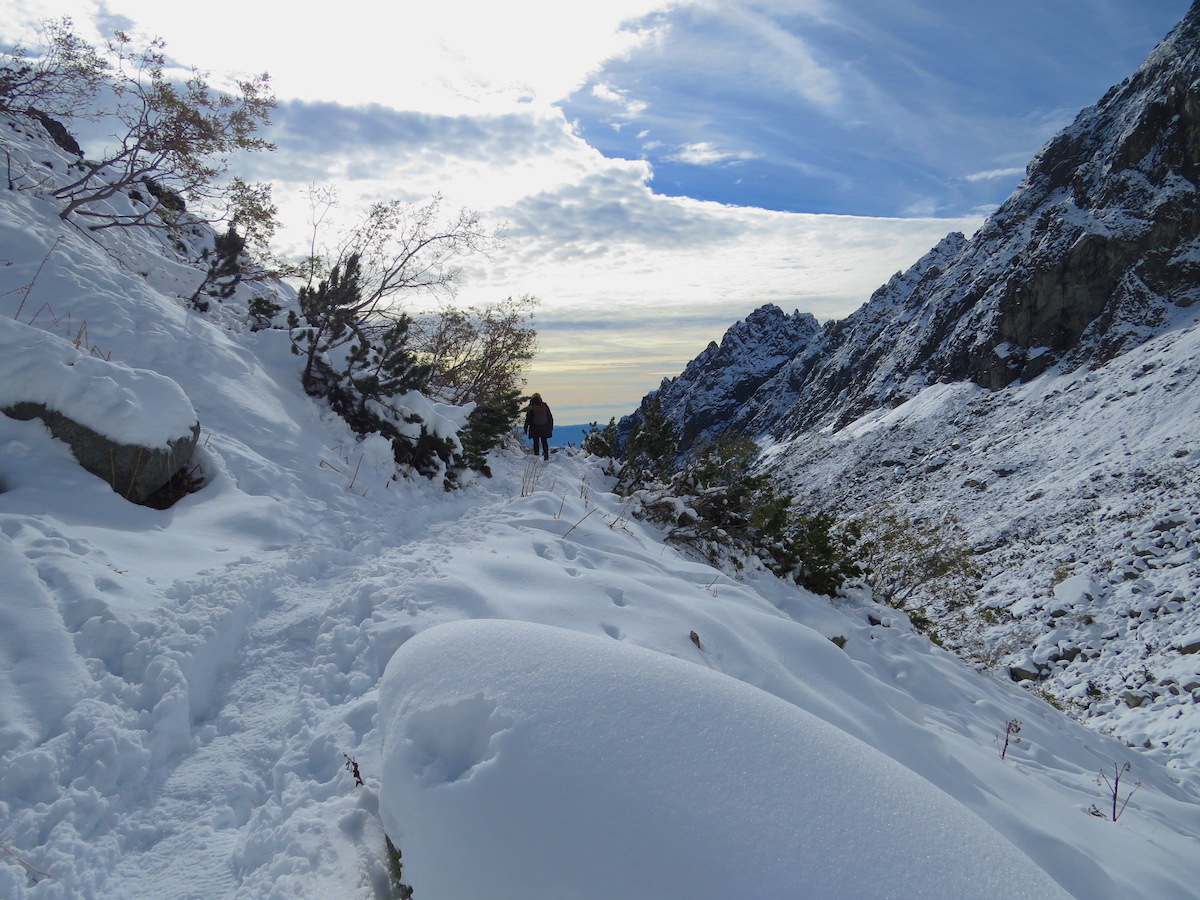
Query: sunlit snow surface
x,y
576,766
180,689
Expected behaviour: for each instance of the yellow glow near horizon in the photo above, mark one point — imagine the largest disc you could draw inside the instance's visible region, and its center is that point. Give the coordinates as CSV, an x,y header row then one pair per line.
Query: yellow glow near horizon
x,y
633,284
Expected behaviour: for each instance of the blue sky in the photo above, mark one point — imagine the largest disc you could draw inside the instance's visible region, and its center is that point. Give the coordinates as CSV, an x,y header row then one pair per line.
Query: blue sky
x,y
860,107
663,166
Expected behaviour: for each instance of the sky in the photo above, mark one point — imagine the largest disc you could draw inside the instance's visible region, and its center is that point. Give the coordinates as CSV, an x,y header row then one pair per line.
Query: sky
x,y
662,168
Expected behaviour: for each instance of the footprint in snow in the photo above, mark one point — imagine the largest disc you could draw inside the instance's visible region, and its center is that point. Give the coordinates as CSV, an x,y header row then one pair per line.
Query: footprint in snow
x,y
446,743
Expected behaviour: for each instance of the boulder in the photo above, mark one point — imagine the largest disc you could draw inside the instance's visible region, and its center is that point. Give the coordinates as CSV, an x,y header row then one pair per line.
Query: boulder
x,y
133,427
135,472
1188,643
1026,670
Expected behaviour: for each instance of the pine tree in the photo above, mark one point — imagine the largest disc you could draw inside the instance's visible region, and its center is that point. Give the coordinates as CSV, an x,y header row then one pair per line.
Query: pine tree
x,y
650,450
224,271
601,441
487,425
379,365
327,320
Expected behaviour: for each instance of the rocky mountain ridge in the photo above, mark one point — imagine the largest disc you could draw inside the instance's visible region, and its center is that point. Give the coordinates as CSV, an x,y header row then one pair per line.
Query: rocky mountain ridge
x,y
1083,262
1038,383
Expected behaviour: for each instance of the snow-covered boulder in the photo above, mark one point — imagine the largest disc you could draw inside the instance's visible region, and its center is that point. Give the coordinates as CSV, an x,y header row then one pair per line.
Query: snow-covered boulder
x,y
131,427
522,760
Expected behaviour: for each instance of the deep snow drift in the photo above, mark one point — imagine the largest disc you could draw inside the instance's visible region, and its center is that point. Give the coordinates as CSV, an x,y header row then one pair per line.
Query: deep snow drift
x,y
181,689
516,740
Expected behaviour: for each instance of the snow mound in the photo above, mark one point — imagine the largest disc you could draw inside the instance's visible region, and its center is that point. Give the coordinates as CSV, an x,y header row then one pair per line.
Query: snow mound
x,y
134,406
574,766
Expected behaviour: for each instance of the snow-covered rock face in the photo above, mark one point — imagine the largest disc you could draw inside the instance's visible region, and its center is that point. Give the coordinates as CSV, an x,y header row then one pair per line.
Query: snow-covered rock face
x,y
1039,382
1088,258
134,428
715,385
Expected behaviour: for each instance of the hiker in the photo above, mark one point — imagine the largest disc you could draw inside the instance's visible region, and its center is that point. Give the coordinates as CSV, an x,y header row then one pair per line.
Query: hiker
x,y
539,425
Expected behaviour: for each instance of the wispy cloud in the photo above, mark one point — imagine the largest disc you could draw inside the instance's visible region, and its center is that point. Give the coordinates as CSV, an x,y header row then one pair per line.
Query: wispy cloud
x,y
862,107
628,108
703,153
991,174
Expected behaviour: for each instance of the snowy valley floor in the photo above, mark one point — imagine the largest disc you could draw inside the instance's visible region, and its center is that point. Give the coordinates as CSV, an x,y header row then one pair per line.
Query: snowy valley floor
x,y
207,758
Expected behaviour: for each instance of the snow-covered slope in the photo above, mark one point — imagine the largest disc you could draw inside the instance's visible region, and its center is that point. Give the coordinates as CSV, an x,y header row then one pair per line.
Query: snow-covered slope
x,y
181,690
1038,382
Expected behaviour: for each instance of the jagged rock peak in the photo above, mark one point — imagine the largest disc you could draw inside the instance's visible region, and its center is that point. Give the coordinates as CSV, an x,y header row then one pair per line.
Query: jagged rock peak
x,y
714,385
1095,252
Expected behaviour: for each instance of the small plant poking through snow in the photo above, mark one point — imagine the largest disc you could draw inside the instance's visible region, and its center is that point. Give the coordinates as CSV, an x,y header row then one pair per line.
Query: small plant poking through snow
x,y
394,865
1114,789
352,768
531,476
1011,729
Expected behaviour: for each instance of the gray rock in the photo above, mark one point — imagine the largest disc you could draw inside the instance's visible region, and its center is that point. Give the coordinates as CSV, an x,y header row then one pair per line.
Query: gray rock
x,y
1025,672
1189,644
134,472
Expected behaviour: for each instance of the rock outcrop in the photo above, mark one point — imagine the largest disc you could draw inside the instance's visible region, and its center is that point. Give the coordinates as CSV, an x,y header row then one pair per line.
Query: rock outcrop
x,y
715,386
136,473
134,428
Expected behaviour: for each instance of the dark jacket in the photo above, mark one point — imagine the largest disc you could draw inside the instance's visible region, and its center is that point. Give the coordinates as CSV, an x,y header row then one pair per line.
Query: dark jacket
x,y
539,421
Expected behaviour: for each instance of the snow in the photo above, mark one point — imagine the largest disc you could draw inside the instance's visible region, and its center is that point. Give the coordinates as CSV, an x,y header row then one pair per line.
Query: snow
x,y
140,406
180,689
566,760
1079,491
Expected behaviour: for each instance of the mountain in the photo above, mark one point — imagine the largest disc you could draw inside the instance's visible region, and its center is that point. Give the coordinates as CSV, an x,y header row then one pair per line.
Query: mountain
x,y
1092,254
1037,386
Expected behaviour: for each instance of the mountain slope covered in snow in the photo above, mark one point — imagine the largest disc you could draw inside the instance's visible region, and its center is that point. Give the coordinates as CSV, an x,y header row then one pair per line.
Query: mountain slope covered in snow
x,y
1035,386
1093,254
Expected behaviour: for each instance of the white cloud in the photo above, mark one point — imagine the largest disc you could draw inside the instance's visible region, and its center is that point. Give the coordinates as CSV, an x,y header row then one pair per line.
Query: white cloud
x,y
993,174
450,56
704,153
629,108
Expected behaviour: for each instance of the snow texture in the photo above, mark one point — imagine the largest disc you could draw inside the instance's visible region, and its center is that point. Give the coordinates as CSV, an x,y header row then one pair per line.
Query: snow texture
x,y
517,740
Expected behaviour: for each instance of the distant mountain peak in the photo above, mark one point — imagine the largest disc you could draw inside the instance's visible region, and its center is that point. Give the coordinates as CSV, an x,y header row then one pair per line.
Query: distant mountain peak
x,y
1085,260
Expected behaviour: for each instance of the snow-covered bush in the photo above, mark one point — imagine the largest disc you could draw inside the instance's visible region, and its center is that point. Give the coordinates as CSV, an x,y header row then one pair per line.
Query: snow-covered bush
x,y
599,441
648,454
719,506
